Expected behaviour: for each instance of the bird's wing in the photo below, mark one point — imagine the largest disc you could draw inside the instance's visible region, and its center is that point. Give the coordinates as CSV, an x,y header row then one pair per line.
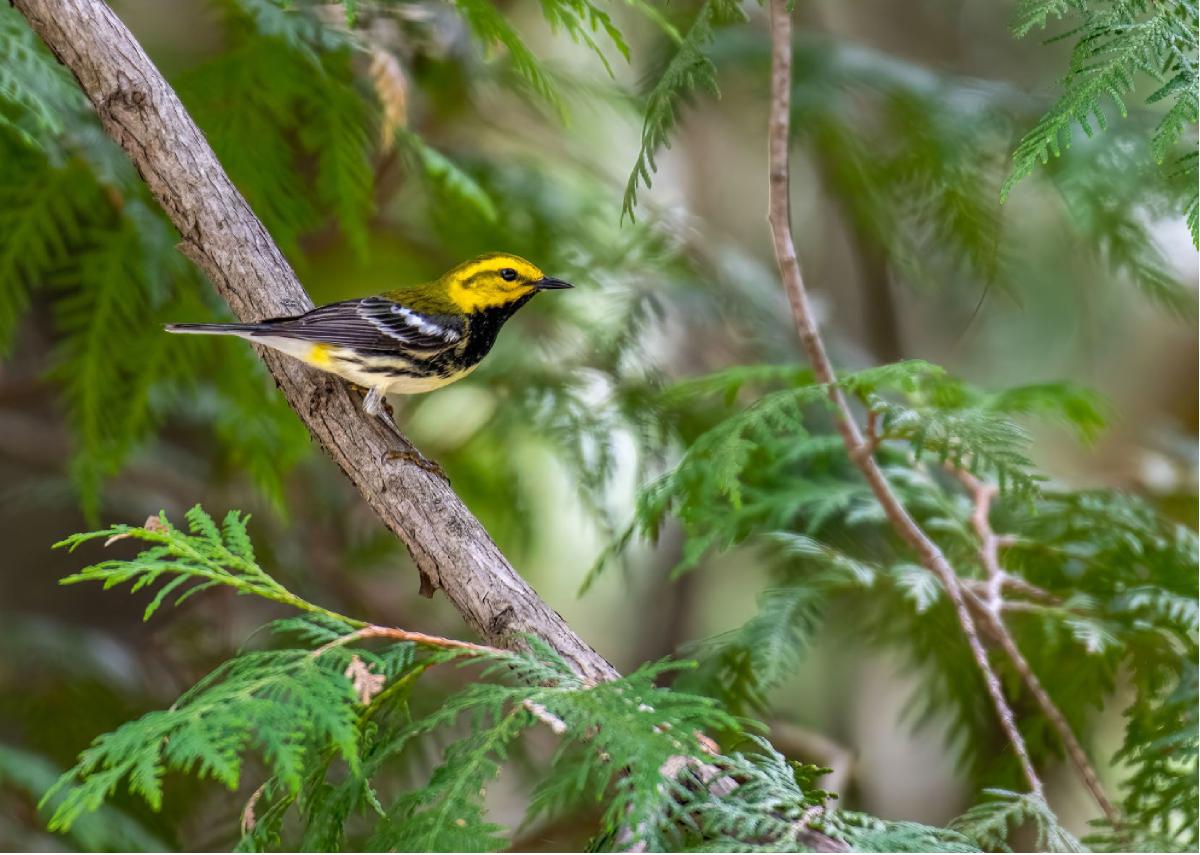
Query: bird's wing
x,y
373,323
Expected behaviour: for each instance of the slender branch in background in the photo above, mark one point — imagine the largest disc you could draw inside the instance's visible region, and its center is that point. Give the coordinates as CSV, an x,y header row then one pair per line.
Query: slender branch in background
x,y
859,449
992,607
226,240
989,545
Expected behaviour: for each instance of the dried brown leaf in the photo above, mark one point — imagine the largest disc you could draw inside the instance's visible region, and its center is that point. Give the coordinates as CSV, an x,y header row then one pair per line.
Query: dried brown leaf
x,y
153,523
366,684
391,88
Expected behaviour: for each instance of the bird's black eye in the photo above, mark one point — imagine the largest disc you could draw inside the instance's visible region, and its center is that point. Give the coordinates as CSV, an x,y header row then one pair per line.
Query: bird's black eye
x,y
508,274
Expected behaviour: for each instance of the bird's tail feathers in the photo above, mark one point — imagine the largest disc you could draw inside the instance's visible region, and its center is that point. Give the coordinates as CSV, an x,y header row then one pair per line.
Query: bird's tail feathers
x,y
215,329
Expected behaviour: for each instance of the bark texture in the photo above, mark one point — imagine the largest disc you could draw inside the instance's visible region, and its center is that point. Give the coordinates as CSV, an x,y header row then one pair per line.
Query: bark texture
x,y
226,240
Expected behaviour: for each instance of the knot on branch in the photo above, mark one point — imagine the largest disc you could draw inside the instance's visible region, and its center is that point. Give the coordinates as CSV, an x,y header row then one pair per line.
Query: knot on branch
x,y
500,622
131,98
319,394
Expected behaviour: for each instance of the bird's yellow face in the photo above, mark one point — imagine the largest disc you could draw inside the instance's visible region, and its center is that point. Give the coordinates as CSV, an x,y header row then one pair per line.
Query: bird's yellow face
x,y
495,280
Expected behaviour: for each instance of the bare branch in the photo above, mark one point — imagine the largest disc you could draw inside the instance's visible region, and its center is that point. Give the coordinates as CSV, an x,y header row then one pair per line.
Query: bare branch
x,y
248,820
224,238
993,605
859,448
397,634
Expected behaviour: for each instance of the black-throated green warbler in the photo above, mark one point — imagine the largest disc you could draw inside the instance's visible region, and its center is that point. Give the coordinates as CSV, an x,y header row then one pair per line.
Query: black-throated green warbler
x,y
407,341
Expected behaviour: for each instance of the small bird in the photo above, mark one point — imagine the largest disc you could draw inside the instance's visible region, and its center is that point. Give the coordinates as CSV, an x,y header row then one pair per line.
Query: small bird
x,y
407,341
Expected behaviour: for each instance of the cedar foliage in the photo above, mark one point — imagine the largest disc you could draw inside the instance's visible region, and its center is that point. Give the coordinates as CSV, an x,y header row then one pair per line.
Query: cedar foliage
x,y
740,458
630,744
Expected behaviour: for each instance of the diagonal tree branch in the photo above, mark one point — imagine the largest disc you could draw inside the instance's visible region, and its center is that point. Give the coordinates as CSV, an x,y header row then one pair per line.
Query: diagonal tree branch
x,y
860,448
226,240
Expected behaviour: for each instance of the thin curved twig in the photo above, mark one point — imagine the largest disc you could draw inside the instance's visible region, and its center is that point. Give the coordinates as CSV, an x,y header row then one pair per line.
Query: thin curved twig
x,y
859,448
993,606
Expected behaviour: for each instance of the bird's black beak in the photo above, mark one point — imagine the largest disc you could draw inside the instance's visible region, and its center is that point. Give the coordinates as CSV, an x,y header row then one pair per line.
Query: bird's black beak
x,y
549,283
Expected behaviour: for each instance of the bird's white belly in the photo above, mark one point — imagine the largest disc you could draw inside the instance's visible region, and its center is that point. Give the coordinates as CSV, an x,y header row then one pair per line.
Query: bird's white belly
x,y
416,385
391,384
330,358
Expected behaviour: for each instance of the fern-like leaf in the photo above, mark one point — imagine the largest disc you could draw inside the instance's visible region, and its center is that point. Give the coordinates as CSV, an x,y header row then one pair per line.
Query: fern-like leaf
x,y
689,70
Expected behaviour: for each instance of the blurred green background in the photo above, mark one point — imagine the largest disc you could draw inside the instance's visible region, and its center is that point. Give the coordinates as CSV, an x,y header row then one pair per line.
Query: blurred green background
x,y
380,166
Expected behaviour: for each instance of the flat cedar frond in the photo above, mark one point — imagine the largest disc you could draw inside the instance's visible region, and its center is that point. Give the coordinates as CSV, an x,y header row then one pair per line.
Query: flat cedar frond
x,y
1109,566
918,175
188,562
689,70
334,125
775,802
619,736
36,93
447,814
113,355
108,829
740,667
1160,753
74,213
1116,43
990,821
286,704
762,467
300,711
267,104
451,184
490,28
581,18
44,213
777,805
967,427
979,441
1107,193
727,384
869,834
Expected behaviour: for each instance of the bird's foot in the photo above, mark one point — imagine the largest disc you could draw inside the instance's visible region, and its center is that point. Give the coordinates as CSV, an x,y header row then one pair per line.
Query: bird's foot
x,y
373,403
376,405
416,458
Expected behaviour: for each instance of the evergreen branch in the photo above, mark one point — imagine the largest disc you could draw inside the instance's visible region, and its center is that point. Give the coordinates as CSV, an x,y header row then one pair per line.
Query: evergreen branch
x,y
581,18
35,95
689,70
206,555
211,555
490,27
1116,43
457,185
43,215
337,136
108,830
283,702
1161,750
635,735
990,821
856,445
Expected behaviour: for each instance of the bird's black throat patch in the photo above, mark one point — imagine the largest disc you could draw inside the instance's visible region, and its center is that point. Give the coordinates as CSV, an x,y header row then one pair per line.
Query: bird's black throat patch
x,y
483,327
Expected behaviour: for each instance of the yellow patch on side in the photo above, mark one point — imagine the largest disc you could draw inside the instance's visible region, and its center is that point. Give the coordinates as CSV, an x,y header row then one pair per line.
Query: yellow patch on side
x,y
319,355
